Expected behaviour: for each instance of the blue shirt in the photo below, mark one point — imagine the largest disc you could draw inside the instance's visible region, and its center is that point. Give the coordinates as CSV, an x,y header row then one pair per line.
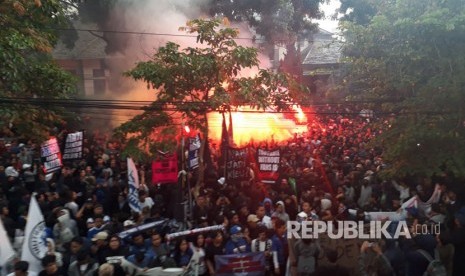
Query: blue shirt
x,y
231,245
280,246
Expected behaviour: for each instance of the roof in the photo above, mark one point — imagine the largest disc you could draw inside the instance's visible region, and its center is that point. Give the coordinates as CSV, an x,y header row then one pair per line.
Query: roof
x,y
87,46
324,49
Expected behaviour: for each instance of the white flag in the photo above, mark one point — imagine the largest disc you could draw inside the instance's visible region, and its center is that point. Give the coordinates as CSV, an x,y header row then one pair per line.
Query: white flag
x,y
133,179
6,249
34,245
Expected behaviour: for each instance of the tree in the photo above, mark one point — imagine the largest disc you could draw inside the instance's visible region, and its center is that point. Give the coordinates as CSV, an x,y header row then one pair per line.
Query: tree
x,y
410,58
194,81
280,22
27,70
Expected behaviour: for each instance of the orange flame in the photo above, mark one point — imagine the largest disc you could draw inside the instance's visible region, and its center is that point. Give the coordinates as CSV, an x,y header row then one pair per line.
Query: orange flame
x,y
252,125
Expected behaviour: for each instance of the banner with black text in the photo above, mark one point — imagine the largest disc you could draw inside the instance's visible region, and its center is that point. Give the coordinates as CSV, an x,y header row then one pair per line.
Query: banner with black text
x,y
165,170
51,155
237,164
72,149
268,165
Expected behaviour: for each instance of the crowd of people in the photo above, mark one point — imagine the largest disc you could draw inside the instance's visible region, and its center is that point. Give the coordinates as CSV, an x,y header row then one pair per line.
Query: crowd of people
x,y
323,174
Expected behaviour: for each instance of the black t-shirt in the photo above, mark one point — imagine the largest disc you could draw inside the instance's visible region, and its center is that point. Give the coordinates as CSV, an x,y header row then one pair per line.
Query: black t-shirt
x,y
211,251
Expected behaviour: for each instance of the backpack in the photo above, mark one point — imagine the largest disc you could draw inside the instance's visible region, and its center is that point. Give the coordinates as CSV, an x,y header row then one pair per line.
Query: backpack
x,y
435,266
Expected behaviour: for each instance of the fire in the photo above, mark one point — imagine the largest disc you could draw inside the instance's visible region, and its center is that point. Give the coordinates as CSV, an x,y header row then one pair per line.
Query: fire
x,y
252,125
301,118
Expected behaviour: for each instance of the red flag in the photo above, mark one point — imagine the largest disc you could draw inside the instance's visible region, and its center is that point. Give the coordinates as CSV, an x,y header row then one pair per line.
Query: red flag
x,y
165,170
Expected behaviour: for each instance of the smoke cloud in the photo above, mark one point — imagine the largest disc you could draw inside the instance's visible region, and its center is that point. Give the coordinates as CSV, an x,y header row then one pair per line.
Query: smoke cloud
x,y
146,25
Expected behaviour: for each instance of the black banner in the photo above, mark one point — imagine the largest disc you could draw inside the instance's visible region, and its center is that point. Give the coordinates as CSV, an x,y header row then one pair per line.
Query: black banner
x,y
236,164
268,165
72,149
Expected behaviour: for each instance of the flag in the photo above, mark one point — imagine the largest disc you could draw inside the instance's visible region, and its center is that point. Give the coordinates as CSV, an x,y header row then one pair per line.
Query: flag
x,y
224,134
6,251
250,264
193,153
34,245
165,170
224,144
133,180
230,130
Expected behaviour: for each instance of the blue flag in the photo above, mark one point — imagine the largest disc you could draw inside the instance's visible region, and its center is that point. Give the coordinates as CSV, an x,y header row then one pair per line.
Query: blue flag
x,y
250,264
133,181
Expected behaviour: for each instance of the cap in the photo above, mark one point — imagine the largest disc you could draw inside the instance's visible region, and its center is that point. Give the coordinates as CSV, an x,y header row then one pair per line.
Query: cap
x,y
280,203
235,230
100,236
128,223
90,220
26,166
252,218
106,219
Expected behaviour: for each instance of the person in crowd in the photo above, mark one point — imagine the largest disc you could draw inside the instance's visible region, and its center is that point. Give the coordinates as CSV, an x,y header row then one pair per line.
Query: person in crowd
x,y
332,267
140,260
198,248
252,224
51,251
99,245
243,211
159,252
372,260
115,248
84,265
145,200
21,268
280,212
65,228
200,210
262,217
70,255
280,246
50,267
306,255
215,248
236,243
445,251
264,244
182,253
98,227
139,244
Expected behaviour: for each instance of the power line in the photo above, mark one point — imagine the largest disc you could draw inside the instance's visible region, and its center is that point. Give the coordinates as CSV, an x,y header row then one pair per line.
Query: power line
x,y
137,33
201,107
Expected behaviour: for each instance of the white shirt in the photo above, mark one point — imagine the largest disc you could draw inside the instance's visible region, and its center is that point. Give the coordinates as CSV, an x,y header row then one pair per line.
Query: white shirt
x,y
29,273
266,220
147,203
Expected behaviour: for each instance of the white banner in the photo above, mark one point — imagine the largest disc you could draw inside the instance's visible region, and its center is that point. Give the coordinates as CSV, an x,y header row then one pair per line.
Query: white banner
x,y
194,231
133,179
34,245
7,252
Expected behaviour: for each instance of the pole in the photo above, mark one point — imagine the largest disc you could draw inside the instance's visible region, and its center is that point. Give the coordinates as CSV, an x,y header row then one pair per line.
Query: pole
x,y
183,169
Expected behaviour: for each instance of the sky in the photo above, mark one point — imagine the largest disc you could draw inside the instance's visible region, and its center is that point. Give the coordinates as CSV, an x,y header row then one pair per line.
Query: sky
x,y
329,25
